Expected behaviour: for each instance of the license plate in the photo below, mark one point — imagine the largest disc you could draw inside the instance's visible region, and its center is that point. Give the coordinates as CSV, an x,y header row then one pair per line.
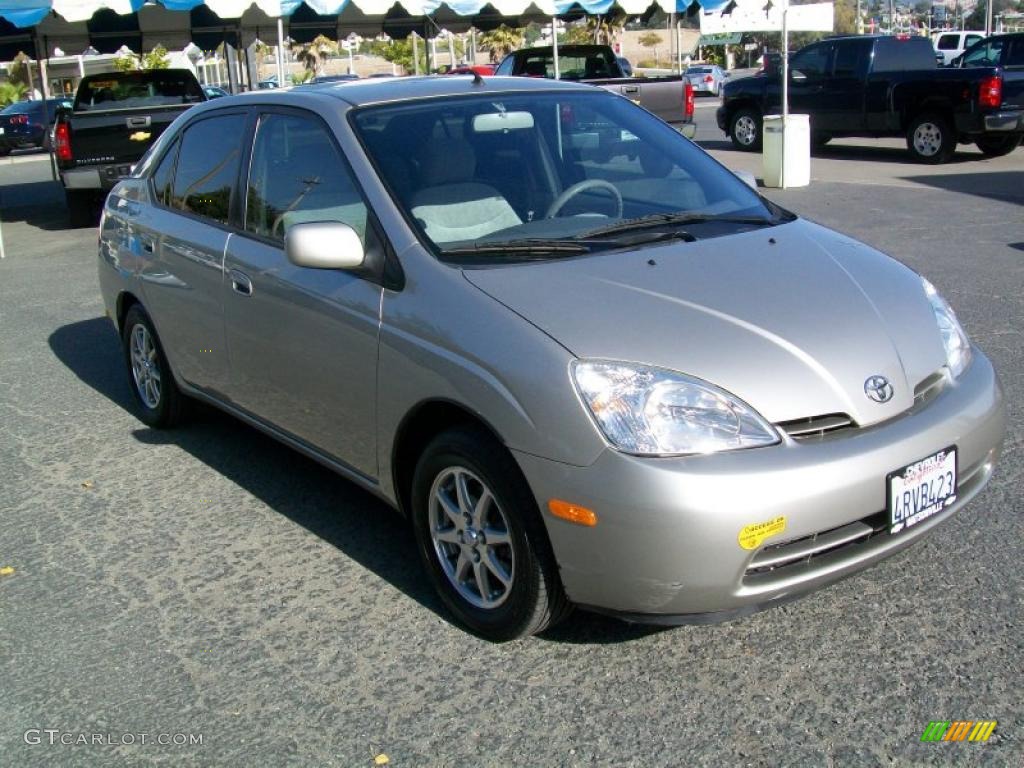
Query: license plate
x,y
921,489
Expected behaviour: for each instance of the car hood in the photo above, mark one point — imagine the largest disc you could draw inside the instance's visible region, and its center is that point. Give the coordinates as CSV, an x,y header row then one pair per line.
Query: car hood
x,y
792,319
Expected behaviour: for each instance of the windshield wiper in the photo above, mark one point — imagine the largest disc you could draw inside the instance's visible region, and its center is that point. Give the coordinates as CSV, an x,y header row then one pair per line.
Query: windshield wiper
x,y
661,219
533,247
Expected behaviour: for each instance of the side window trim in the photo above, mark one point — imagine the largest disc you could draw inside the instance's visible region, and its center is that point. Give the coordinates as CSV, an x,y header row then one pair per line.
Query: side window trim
x,y
154,193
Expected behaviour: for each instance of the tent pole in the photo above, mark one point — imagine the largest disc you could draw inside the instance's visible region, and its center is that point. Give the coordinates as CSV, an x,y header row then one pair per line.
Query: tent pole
x,y
415,55
426,45
785,89
280,52
554,46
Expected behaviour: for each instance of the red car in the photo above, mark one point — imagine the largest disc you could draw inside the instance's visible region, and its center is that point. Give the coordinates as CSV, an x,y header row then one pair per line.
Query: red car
x,y
469,69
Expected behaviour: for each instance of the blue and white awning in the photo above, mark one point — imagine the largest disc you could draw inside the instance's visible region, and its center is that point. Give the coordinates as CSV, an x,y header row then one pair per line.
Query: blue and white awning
x,y
28,13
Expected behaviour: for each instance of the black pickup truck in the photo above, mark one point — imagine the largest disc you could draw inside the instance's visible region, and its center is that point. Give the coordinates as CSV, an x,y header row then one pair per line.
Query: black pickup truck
x,y
873,86
670,97
114,119
1005,125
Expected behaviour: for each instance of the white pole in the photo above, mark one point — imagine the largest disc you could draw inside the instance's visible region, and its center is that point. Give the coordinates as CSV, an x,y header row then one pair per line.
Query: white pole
x,y
351,61
415,55
554,46
785,89
81,65
280,52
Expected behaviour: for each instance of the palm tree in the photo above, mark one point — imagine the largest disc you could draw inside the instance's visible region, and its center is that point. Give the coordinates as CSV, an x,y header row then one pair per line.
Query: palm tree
x,y
500,42
312,55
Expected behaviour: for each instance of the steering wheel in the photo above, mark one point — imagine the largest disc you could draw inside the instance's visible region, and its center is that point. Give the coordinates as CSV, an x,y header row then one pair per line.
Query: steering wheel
x,y
559,202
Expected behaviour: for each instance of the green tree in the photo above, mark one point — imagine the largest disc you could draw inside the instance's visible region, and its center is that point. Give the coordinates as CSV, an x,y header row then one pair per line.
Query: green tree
x,y
10,92
500,42
651,40
155,59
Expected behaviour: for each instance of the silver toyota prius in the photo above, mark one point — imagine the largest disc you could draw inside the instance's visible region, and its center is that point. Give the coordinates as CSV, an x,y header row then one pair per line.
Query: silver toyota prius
x,y
590,365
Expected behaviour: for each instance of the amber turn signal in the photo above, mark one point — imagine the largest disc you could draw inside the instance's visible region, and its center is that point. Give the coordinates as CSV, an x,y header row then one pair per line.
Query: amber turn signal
x,y
572,512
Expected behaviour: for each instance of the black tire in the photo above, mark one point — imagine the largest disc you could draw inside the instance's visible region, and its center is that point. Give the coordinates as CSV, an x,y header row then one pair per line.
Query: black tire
x,y
170,405
936,141
535,600
745,130
5,151
81,207
997,146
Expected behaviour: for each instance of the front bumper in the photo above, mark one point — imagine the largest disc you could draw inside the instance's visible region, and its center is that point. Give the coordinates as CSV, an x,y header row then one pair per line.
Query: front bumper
x,y
665,548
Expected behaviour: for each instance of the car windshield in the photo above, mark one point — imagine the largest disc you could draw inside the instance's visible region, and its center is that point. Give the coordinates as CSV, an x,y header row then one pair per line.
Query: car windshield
x,y
538,174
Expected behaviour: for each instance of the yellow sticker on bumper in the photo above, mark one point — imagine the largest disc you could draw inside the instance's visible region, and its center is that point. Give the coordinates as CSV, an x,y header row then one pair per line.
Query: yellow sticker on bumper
x,y
751,536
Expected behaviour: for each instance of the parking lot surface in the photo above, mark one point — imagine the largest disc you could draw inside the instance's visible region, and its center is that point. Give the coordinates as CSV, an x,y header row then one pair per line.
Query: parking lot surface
x,y
210,582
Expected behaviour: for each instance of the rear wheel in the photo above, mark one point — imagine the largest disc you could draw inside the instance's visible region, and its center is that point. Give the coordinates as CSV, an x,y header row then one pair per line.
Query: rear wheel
x,y
481,537
930,139
997,146
160,402
81,207
745,130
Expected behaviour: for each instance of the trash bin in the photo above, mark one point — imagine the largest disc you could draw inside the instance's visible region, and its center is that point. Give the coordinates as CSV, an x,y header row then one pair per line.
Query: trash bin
x,y
790,148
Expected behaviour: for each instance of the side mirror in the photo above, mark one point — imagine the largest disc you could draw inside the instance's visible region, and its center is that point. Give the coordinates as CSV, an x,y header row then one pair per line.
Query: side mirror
x,y
324,245
747,178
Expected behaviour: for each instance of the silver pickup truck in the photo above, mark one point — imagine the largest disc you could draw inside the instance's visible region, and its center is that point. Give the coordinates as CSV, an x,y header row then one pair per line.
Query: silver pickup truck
x,y
670,97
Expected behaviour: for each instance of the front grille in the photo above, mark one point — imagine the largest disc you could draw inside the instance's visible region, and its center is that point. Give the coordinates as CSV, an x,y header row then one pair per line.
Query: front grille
x,y
806,548
816,426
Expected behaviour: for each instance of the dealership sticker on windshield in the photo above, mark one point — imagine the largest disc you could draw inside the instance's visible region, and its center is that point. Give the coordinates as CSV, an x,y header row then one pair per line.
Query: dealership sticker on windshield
x,y
921,489
753,535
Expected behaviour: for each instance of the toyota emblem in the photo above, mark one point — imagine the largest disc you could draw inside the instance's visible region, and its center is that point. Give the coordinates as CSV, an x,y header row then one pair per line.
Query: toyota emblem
x,y
878,389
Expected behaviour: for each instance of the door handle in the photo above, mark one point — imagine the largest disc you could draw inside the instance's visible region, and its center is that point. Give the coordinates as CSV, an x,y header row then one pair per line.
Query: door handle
x,y
631,89
240,282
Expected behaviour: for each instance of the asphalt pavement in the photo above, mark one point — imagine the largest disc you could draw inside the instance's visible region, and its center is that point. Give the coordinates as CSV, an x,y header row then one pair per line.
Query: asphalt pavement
x,y
207,584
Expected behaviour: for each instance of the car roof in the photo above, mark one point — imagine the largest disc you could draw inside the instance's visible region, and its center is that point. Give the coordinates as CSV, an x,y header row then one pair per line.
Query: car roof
x,y
359,93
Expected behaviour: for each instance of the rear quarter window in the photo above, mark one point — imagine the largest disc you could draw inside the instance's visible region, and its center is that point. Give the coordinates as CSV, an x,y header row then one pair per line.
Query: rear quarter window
x,y
948,43
138,89
893,54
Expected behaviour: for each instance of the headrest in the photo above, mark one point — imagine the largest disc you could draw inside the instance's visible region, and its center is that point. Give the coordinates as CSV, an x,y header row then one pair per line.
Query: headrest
x,y
444,161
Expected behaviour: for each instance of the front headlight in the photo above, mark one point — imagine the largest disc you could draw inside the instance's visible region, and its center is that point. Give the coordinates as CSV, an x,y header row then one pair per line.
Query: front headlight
x,y
958,348
654,412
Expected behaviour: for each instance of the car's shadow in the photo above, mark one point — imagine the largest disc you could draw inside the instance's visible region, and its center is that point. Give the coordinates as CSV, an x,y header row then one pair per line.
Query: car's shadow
x,y
336,510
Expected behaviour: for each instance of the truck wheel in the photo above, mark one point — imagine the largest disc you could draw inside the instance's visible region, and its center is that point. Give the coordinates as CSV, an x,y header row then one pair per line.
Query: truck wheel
x,y
745,130
81,207
930,139
5,151
997,146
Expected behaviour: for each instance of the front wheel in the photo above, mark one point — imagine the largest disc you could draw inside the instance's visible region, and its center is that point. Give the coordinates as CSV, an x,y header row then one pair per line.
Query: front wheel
x,y
745,130
481,537
930,139
997,146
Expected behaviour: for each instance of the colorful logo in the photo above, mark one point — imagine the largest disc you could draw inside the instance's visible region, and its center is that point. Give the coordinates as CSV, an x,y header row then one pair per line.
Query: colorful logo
x,y
959,730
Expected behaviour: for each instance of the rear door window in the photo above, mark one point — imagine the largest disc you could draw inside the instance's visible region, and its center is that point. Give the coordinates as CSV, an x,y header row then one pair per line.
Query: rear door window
x,y
298,175
985,54
208,166
129,90
851,58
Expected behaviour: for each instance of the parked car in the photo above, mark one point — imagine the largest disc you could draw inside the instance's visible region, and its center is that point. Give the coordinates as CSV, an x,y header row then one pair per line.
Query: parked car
x,y
115,117
949,45
267,83
28,124
1006,125
587,362
873,86
706,78
669,97
624,66
483,70
215,92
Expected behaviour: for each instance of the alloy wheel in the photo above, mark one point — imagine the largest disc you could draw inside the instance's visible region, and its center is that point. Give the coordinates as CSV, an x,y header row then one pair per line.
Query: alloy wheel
x,y
745,130
145,366
471,537
928,139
